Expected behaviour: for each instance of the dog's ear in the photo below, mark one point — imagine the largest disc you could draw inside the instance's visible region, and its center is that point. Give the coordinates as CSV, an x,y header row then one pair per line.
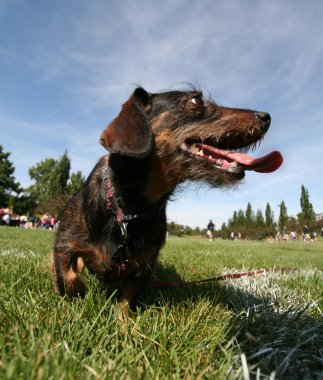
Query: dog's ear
x,y
130,133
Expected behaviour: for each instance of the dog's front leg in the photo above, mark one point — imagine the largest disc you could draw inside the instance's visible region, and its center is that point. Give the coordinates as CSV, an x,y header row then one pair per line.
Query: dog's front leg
x,y
133,288
67,269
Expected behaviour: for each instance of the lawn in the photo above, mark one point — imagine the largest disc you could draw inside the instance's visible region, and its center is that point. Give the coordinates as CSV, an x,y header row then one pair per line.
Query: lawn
x,y
268,326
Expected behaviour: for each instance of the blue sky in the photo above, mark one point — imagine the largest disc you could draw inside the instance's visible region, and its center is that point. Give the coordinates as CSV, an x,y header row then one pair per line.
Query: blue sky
x,y
67,66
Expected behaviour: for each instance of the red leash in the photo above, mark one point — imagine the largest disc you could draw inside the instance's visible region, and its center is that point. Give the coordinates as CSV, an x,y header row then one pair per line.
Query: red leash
x,y
155,284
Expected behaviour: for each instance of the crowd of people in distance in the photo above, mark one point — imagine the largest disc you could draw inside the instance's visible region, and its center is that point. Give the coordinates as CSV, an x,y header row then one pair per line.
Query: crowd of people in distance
x,y
48,222
10,219
285,235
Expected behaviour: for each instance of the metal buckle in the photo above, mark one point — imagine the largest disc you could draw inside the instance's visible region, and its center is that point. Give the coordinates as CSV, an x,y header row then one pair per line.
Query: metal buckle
x,y
124,232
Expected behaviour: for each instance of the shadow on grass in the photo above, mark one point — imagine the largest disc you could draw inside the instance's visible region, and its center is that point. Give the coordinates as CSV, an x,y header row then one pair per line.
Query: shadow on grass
x,y
270,327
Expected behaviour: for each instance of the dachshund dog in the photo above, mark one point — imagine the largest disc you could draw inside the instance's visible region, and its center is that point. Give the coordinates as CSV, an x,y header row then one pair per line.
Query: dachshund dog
x,y
116,225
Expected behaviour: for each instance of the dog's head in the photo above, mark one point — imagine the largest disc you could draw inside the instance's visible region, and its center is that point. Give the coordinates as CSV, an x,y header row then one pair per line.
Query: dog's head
x,y
189,137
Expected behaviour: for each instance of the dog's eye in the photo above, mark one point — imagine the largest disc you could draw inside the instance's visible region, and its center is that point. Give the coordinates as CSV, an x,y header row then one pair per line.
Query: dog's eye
x,y
198,100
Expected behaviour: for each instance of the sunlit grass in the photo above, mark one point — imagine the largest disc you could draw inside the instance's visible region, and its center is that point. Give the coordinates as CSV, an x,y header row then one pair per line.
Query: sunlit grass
x,y
263,326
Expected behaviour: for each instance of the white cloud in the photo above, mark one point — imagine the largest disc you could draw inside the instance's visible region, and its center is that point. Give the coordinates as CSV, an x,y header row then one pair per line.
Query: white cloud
x,y
84,59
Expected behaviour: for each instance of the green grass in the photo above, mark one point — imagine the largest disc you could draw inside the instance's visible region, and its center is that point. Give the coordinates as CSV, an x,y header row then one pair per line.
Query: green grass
x,y
263,327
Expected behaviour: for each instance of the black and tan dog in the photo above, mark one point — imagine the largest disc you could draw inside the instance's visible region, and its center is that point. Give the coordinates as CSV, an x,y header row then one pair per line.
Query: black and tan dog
x,y
116,225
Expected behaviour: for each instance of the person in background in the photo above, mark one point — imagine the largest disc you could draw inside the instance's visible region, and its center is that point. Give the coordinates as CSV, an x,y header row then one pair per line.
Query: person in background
x,y
210,230
6,216
306,233
285,234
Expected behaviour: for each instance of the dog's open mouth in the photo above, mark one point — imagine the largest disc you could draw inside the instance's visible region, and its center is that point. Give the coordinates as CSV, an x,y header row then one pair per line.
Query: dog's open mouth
x,y
233,162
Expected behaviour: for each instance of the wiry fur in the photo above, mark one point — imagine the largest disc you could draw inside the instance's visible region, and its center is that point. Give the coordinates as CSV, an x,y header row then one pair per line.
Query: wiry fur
x,y
145,165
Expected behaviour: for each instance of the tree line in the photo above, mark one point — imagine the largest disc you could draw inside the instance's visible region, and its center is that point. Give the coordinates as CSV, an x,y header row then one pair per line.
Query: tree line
x,y
250,224
256,225
53,183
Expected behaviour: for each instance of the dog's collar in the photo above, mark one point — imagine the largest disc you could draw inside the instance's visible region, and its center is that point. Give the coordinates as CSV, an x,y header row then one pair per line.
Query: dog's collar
x,y
112,205
112,202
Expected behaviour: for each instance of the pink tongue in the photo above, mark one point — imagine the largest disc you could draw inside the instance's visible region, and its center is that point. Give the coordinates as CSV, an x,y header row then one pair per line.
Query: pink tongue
x,y
265,164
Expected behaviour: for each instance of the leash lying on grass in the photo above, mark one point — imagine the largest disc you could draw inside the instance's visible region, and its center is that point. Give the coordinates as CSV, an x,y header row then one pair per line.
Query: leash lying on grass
x,y
155,284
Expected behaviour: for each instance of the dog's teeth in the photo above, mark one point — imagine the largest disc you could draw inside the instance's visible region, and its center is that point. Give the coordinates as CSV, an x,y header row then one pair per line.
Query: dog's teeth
x,y
210,156
184,146
200,153
234,164
194,149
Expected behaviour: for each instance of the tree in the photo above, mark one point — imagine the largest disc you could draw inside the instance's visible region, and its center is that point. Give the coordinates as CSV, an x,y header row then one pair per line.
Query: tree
x,y
50,189
241,217
234,219
283,216
75,183
224,231
8,184
269,216
175,229
53,184
307,215
42,174
249,214
197,231
61,174
260,221
50,178
24,204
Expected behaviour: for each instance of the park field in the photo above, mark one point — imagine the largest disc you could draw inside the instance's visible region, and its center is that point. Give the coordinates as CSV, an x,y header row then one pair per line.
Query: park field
x,y
268,326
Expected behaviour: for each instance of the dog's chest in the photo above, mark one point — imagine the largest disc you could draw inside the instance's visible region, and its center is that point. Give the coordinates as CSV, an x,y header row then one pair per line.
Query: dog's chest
x,y
127,264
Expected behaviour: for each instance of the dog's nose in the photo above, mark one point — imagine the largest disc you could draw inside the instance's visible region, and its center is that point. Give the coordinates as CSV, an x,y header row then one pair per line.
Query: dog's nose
x,y
102,141
264,117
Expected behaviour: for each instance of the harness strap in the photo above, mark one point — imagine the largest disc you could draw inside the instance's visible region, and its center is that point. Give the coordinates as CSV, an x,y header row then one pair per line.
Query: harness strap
x,y
112,205
112,202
